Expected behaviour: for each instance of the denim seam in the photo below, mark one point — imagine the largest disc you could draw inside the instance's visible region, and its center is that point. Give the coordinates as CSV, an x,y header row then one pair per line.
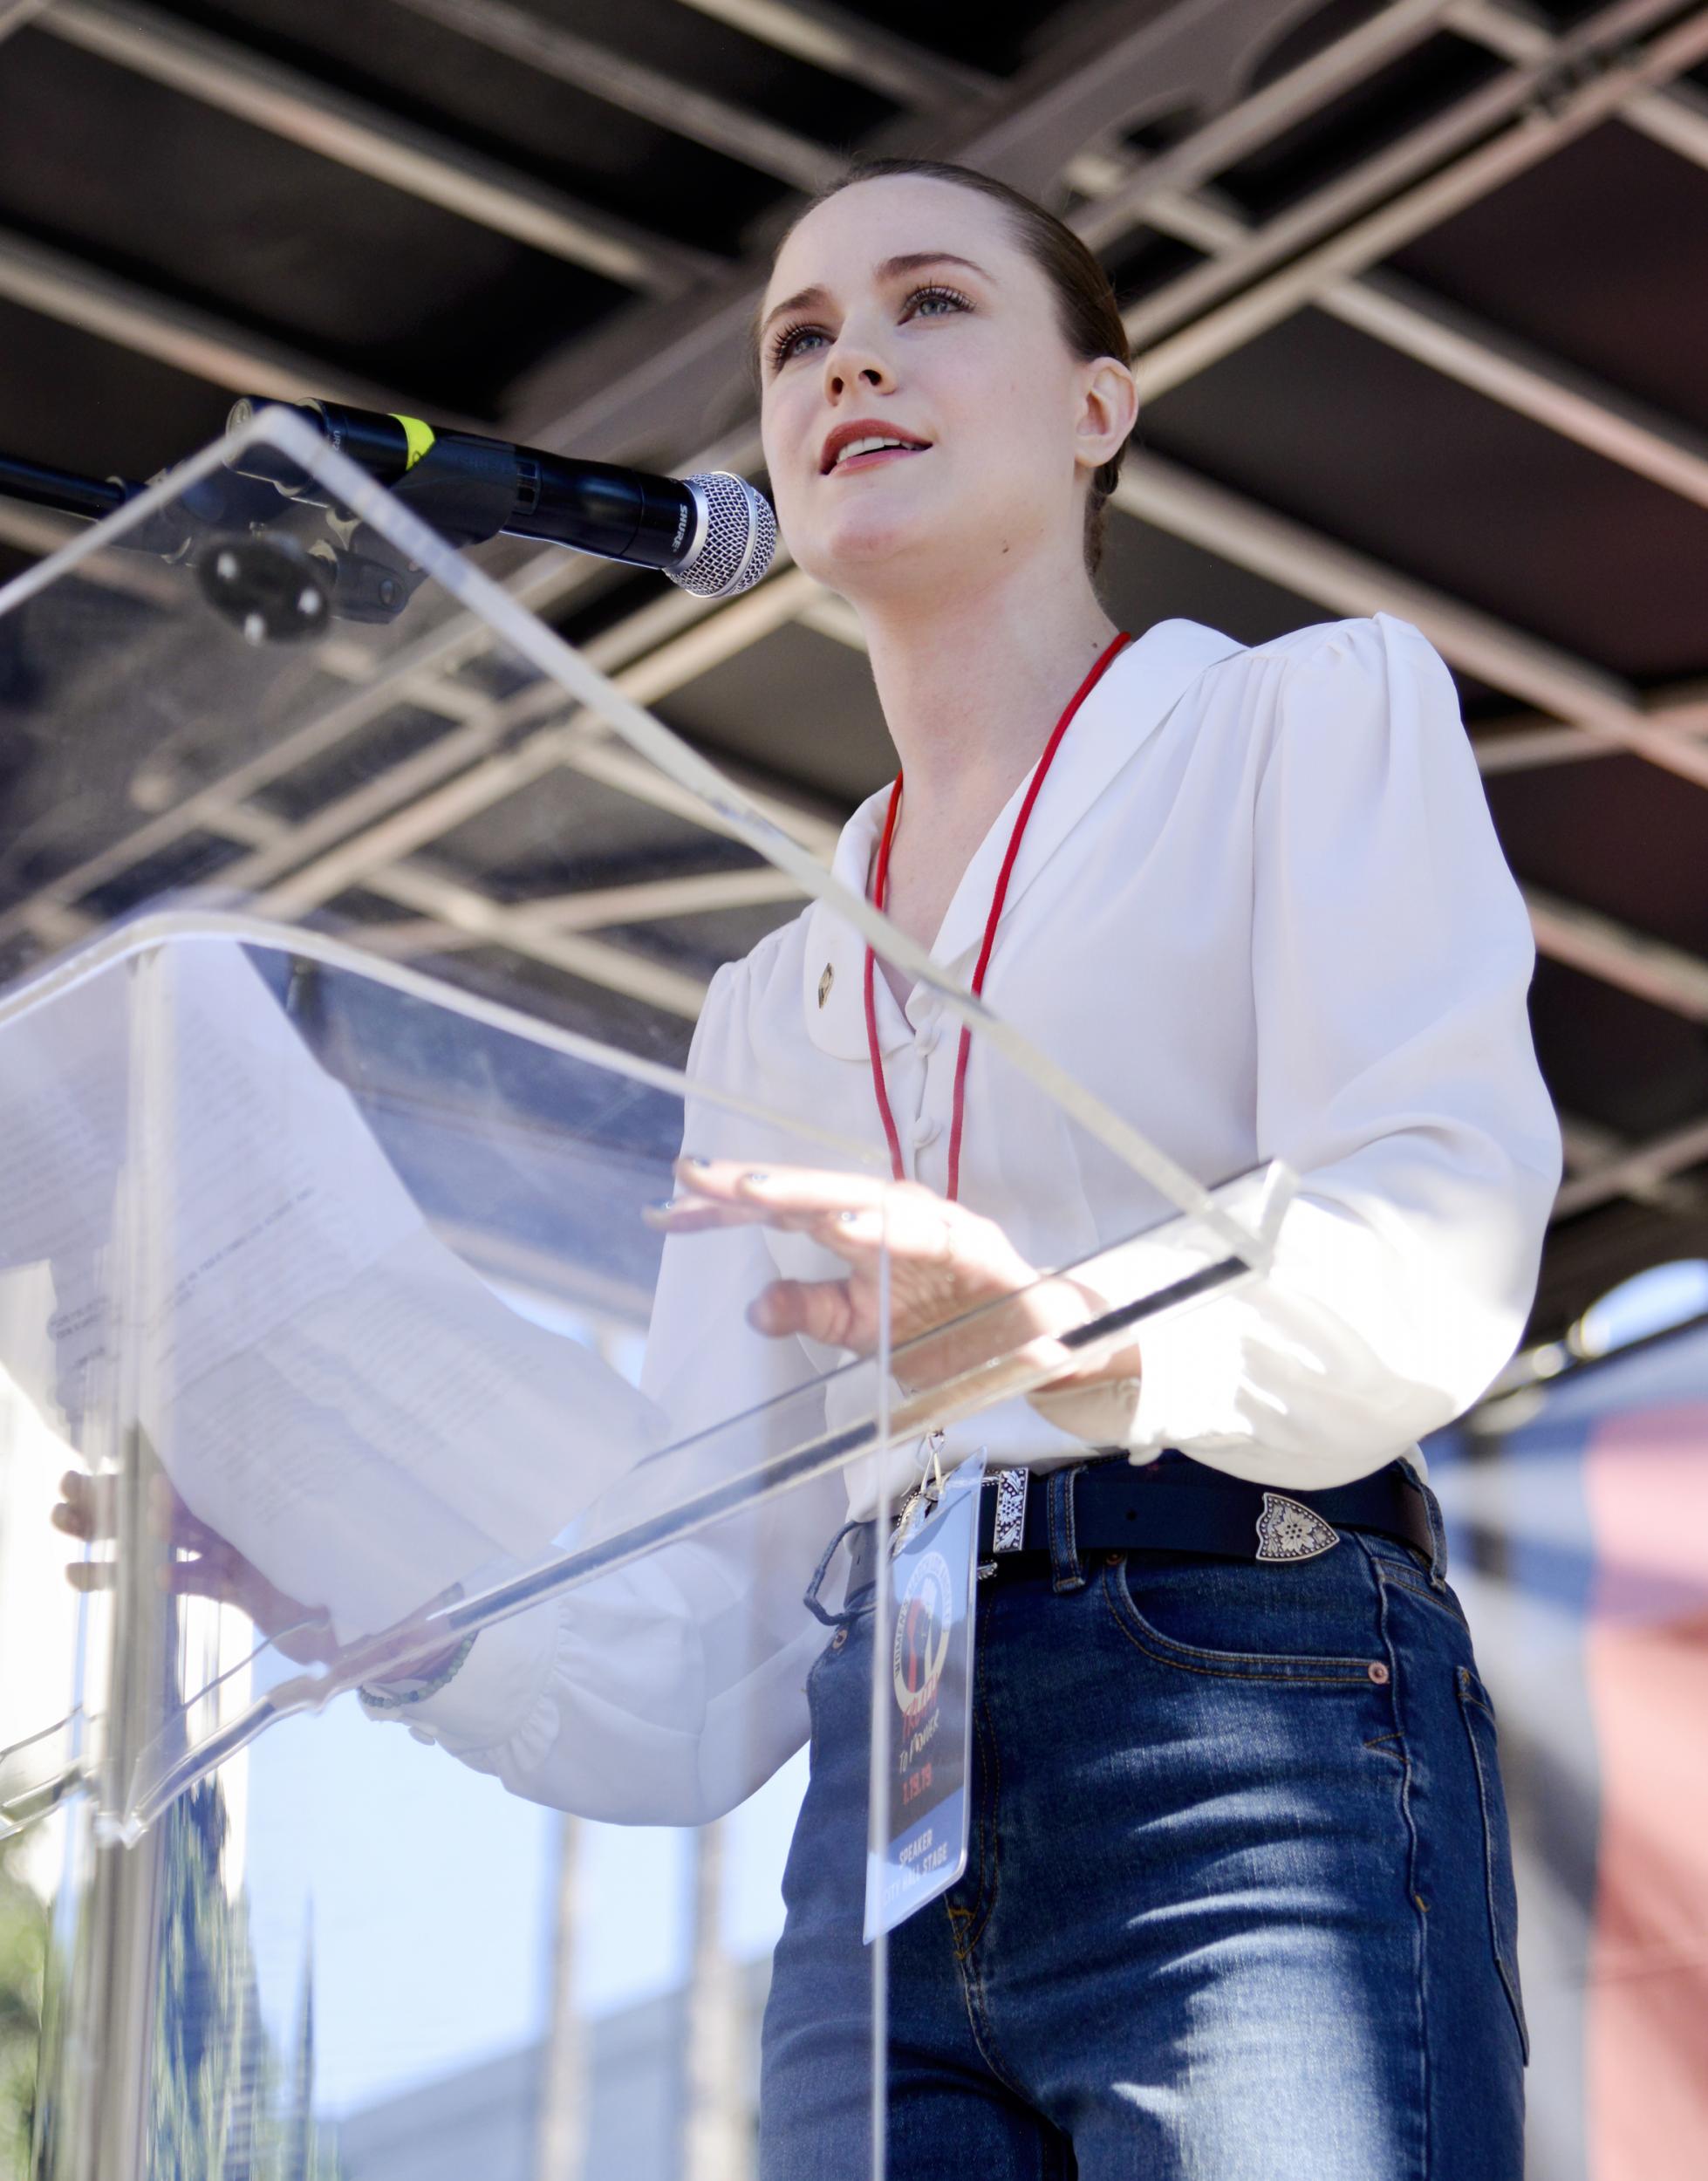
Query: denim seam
x,y
977,2019
975,1919
969,1923
1420,1918
1469,1701
1348,1673
1385,1573
971,1982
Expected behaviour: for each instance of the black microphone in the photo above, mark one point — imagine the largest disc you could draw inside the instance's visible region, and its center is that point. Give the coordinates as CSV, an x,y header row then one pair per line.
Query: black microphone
x,y
713,534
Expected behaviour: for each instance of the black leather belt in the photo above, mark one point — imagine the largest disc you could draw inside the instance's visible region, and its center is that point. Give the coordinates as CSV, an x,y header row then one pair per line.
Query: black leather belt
x,y
1175,1504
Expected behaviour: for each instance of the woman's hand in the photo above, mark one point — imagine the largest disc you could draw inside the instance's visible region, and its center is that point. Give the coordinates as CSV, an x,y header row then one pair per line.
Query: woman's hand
x,y
218,1570
945,1263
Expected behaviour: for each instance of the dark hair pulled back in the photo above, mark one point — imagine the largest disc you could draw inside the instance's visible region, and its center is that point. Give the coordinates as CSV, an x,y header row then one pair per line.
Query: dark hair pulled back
x,y
1086,310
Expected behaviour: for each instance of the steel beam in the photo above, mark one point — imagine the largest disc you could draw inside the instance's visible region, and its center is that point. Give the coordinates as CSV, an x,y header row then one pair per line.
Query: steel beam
x,y
852,47
634,88
454,777
1454,342
409,805
411,675
1550,393
1643,1171
38,530
618,766
14,14
1529,90
1121,66
1601,946
598,908
190,340
487,726
1302,561
1601,1164
287,103
437,894
1676,116
357,858
1522,143
448,758
1127,187
34,530
654,900
833,617
1523,744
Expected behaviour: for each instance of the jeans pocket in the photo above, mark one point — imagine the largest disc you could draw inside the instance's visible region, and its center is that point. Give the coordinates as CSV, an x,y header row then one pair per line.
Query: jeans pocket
x,y
1272,1607
1477,1712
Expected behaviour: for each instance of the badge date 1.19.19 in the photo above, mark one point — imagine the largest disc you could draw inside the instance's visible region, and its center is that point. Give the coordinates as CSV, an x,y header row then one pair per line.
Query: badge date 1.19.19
x,y
928,1712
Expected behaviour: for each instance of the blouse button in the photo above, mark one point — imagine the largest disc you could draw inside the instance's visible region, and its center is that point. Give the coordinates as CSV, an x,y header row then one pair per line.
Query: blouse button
x,y
926,1129
925,1041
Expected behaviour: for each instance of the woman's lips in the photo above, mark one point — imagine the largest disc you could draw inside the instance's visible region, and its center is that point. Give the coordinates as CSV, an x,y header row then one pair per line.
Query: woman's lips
x,y
872,461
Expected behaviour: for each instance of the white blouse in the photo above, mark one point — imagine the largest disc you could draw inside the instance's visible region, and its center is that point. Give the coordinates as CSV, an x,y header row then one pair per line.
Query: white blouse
x,y
1260,910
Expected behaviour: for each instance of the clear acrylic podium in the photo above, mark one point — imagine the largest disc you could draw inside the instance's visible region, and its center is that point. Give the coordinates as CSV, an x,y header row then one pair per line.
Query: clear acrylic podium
x,y
342,1292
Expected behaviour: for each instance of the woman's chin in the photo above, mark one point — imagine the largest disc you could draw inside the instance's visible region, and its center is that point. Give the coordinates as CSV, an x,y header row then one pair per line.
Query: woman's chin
x,y
870,549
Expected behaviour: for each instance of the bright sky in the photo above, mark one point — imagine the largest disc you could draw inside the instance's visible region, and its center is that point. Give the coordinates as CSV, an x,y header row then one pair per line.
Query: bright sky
x,y
432,1893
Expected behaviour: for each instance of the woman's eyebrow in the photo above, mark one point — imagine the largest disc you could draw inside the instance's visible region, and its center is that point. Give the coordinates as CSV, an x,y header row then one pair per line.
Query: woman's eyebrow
x,y
803,299
910,260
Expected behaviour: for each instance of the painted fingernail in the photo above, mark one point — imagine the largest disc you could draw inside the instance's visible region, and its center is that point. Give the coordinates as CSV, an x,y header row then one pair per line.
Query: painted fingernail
x,y
848,1219
664,1203
756,1179
690,1159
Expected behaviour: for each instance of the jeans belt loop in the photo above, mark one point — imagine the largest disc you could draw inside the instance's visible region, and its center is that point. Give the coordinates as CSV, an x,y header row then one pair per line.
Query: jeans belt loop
x,y
1066,1574
1438,1528
810,1601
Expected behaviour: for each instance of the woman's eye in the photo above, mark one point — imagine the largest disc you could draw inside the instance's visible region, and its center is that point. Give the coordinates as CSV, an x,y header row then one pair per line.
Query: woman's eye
x,y
791,340
933,302
787,343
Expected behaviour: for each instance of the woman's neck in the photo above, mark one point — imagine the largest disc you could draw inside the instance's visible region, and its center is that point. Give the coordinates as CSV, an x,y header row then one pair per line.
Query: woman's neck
x,y
970,688
972,684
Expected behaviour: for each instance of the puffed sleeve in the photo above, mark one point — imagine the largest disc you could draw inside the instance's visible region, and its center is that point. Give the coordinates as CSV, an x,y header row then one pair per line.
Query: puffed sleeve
x,y
1391,958
666,1692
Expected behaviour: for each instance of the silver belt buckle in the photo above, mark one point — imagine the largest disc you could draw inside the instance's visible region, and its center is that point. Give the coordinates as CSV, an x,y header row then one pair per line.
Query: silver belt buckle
x,y
1287,1531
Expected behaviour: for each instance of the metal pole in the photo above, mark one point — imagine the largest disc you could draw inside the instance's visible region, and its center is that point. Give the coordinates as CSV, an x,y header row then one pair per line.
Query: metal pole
x,y
102,2067
715,2133
560,2143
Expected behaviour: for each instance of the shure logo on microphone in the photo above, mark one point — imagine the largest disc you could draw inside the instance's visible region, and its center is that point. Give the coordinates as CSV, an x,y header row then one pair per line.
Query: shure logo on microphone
x,y
681,531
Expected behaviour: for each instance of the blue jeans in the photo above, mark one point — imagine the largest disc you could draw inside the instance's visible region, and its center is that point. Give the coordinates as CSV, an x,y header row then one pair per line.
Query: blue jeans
x,y
1239,1905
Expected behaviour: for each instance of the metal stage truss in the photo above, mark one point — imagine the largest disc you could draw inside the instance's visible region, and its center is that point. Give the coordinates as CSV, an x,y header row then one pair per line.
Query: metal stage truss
x,y
1417,294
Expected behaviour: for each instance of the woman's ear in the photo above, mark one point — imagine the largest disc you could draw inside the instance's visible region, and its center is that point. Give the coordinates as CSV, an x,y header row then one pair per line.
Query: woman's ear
x,y
1108,411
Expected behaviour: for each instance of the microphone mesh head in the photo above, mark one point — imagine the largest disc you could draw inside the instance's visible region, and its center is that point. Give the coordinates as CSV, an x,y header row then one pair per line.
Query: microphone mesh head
x,y
740,538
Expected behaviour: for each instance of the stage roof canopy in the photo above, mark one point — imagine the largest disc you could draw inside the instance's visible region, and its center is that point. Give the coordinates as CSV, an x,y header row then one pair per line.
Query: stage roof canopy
x,y
1420,296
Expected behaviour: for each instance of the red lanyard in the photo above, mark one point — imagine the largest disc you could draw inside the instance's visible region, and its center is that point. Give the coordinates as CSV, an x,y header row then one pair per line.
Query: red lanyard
x,y
880,887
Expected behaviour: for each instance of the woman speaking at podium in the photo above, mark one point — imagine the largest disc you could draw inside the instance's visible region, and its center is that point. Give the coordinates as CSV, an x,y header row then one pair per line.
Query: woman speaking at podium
x,y
1239,1901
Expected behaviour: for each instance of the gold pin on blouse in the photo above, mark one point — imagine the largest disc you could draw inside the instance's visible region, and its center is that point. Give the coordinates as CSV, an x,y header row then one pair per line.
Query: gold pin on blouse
x,y
824,984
